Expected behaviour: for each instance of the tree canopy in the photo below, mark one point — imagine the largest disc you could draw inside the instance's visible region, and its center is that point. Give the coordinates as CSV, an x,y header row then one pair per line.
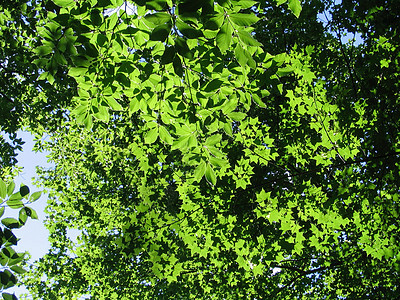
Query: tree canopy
x,y
212,149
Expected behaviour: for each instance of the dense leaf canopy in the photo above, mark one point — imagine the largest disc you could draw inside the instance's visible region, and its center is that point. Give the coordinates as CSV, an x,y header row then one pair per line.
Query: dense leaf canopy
x,y
213,149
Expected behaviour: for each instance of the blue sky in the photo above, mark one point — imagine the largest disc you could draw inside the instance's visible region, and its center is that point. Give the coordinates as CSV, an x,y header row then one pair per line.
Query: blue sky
x,y
33,236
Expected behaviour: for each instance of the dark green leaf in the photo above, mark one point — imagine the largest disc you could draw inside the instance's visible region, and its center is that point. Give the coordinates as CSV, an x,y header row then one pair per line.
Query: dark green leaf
x,y
24,190
178,66
160,33
168,55
158,18
10,223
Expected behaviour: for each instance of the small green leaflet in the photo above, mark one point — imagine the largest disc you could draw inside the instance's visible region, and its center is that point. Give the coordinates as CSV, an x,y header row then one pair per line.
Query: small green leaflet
x,y
244,19
165,136
224,37
295,7
158,18
210,175
3,189
63,3
151,136
200,171
10,223
246,38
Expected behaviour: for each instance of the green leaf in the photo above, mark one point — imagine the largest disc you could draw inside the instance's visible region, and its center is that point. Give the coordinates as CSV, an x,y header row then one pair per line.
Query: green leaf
x,y
24,190
168,55
2,211
18,269
246,38
244,19
244,4
285,71
10,188
258,100
160,33
237,116
43,50
11,223
113,103
15,204
212,140
224,37
158,18
151,136
165,136
64,3
188,30
182,48
3,189
240,55
16,196
200,171
23,216
295,7
178,66
210,175
31,212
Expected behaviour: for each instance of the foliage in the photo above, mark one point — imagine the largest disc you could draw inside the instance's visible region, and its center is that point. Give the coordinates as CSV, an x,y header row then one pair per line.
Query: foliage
x,y
220,149
26,99
12,262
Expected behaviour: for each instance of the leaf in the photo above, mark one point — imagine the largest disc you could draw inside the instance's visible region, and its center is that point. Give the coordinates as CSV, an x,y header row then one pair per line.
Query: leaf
x,y
11,223
182,48
158,18
22,216
224,37
210,175
188,30
258,100
285,71
244,19
10,188
246,38
43,50
77,71
24,190
3,189
240,55
212,140
113,103
168,55
295,7
165,136
151,136
200,171
16,196
31,212
178,66
213,85
15,204
18,269
244,4
2,211
160,33
63,3
237,116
